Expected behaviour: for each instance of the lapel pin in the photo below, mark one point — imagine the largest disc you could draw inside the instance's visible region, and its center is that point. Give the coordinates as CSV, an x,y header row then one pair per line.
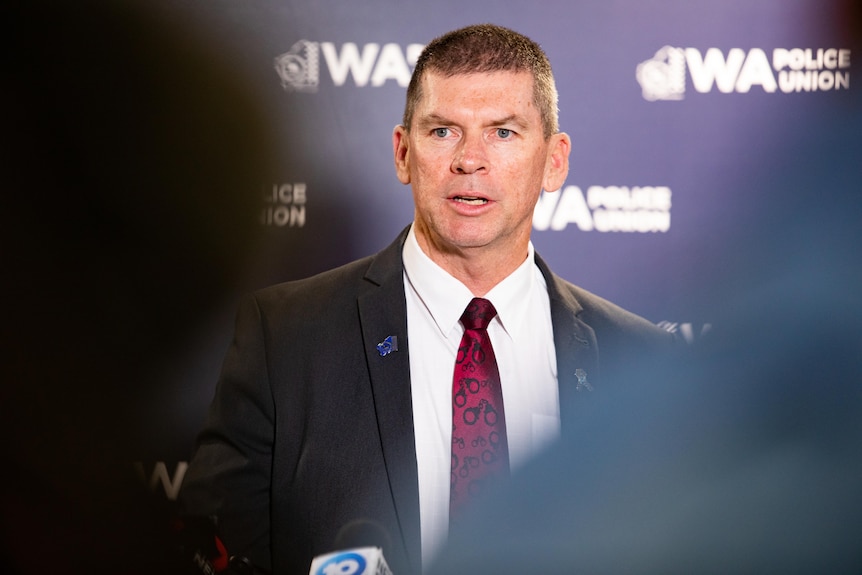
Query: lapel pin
x,y
582,380
387,346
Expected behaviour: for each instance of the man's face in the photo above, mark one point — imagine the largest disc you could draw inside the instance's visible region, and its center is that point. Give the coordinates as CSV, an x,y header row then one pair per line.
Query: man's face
x,y
477,159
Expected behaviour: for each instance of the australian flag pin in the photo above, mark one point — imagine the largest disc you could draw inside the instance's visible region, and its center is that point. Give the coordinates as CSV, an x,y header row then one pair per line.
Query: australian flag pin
x,y
582,380
387,346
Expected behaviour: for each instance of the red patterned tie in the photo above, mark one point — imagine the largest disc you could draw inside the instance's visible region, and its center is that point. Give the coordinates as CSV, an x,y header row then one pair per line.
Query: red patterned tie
x,y
480,450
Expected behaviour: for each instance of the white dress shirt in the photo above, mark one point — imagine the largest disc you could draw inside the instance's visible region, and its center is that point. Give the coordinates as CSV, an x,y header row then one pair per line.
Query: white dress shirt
x,y
523,340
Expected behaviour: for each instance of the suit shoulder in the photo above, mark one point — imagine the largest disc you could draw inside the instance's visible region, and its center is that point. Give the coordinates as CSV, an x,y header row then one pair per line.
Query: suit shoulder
x,y
343,282
605,316
324,289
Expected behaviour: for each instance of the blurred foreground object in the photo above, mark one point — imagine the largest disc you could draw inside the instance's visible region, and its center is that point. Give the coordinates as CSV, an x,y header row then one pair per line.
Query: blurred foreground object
x,y
132,159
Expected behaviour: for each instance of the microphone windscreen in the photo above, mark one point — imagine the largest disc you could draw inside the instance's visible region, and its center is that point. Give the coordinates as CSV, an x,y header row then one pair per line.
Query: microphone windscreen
x,y
363,533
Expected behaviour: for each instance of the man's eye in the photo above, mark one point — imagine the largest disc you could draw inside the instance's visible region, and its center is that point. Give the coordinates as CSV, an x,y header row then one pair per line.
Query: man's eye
x,y
441,132
503,133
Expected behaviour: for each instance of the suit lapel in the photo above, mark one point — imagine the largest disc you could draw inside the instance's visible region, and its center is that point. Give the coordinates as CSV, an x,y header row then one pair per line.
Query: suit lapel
x,y
575,343
383,314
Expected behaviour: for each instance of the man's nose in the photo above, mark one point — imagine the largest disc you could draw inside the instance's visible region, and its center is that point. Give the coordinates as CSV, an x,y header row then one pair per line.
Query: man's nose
x,y
470,156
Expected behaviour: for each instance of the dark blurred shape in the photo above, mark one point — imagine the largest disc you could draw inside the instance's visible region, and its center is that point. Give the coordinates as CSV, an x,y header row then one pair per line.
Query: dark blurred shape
x,y
362,533
746,456
132,163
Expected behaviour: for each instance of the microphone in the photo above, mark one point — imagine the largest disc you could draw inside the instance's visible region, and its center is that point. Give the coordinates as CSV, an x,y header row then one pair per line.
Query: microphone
x,y
360,561
362,533
361,543
198,544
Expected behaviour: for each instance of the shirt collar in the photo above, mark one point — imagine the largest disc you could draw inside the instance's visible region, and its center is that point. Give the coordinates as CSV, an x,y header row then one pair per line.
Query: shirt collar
x,y
445,297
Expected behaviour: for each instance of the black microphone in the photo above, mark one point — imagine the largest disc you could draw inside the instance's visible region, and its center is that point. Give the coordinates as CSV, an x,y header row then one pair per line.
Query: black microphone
x,y
362,533
200,547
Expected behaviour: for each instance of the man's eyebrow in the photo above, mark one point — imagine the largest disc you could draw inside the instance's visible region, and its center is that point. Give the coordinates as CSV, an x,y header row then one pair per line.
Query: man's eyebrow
x,y
434,118
516,119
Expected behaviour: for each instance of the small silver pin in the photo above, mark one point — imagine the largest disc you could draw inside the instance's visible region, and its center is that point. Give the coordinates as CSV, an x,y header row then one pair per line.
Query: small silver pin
x,y
582,380
387,346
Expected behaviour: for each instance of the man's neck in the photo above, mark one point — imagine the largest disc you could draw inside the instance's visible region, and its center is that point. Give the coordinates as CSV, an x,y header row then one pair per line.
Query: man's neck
x,y
478,268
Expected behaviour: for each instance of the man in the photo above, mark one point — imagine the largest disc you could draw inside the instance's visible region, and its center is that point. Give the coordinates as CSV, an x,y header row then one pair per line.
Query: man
x,y
335,401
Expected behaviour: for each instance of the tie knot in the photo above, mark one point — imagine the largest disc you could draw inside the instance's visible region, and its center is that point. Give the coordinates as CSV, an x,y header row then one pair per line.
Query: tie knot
x,y
478,314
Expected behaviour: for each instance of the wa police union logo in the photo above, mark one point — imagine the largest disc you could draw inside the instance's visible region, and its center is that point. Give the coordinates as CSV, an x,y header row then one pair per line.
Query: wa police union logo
x,y
663,76
299,68
372,64
343,564
787,71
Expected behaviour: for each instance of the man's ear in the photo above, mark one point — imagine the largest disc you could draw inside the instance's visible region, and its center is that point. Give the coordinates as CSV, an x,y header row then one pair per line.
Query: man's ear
x,y
557,164
402,153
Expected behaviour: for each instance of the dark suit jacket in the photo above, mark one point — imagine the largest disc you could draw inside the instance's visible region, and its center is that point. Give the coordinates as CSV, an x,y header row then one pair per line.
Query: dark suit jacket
x,y
312,428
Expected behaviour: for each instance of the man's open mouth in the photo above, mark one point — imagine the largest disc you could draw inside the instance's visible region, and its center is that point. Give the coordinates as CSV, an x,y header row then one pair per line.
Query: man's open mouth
x,y
472,200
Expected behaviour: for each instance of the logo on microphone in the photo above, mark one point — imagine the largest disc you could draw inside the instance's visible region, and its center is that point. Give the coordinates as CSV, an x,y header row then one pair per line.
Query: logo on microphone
x,y
343,564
